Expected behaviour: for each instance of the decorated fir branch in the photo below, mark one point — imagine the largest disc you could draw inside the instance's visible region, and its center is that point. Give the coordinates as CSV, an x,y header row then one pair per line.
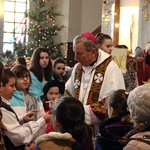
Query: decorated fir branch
x,y
41,29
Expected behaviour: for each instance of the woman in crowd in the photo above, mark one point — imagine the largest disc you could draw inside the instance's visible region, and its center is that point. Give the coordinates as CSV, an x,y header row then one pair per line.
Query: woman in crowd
x,y
117,125
130,76
72,132
138,105
143,70
40,69
104,42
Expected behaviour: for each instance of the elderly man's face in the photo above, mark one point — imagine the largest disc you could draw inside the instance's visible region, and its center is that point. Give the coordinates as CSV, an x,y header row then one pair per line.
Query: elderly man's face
x,y
84,57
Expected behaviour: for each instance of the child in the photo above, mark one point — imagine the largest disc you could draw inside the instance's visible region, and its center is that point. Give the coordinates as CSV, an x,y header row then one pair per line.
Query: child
x,y
2,127
40,68
143,70
51,94
117,125
24,100
59,73
19,133
72,132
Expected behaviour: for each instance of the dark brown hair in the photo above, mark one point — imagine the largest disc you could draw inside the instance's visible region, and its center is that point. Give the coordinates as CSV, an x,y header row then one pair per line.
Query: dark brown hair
x,y
22,61
59,60
7,75
118,101
72,121
19,70
35,67
101,37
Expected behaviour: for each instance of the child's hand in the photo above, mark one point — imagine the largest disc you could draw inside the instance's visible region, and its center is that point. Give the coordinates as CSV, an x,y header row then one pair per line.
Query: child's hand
x,y
32,146
47,116
29,115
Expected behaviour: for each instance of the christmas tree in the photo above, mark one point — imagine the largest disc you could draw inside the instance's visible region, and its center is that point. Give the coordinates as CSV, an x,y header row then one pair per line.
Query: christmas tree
x,y
42,29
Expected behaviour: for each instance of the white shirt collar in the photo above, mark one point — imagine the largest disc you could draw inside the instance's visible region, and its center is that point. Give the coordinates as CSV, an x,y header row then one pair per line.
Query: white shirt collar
x,y
5,101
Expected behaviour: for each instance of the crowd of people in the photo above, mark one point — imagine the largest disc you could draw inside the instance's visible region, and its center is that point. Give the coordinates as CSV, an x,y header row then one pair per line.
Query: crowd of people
x,y
96,108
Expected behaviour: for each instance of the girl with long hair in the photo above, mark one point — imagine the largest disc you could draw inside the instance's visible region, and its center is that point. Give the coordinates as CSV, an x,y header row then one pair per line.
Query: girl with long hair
x,y
71,131
40,69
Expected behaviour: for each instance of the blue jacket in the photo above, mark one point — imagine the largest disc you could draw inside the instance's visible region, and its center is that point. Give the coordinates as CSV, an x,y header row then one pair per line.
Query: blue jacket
x,y
36,85
18,104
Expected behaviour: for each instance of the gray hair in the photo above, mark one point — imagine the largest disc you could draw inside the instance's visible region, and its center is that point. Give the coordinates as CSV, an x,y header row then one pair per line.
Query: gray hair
x,y
89,44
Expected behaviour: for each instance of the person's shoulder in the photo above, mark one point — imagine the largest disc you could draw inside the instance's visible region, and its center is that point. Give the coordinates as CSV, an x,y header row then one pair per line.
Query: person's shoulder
x,y
33,93
32,74
76,67
147,66
102,57
62,139
136,143
17,97
113,65
110,120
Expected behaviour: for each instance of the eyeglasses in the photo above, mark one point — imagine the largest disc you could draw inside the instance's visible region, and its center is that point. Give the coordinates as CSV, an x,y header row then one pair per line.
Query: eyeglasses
x,y
24,77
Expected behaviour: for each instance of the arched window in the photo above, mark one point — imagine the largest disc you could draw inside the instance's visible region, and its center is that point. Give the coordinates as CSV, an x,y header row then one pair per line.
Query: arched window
x,y
15,23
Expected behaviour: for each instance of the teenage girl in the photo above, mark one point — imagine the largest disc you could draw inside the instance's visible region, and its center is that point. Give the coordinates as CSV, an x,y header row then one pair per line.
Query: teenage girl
x,y
143,70
117,125
104,42
40,69
72,133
